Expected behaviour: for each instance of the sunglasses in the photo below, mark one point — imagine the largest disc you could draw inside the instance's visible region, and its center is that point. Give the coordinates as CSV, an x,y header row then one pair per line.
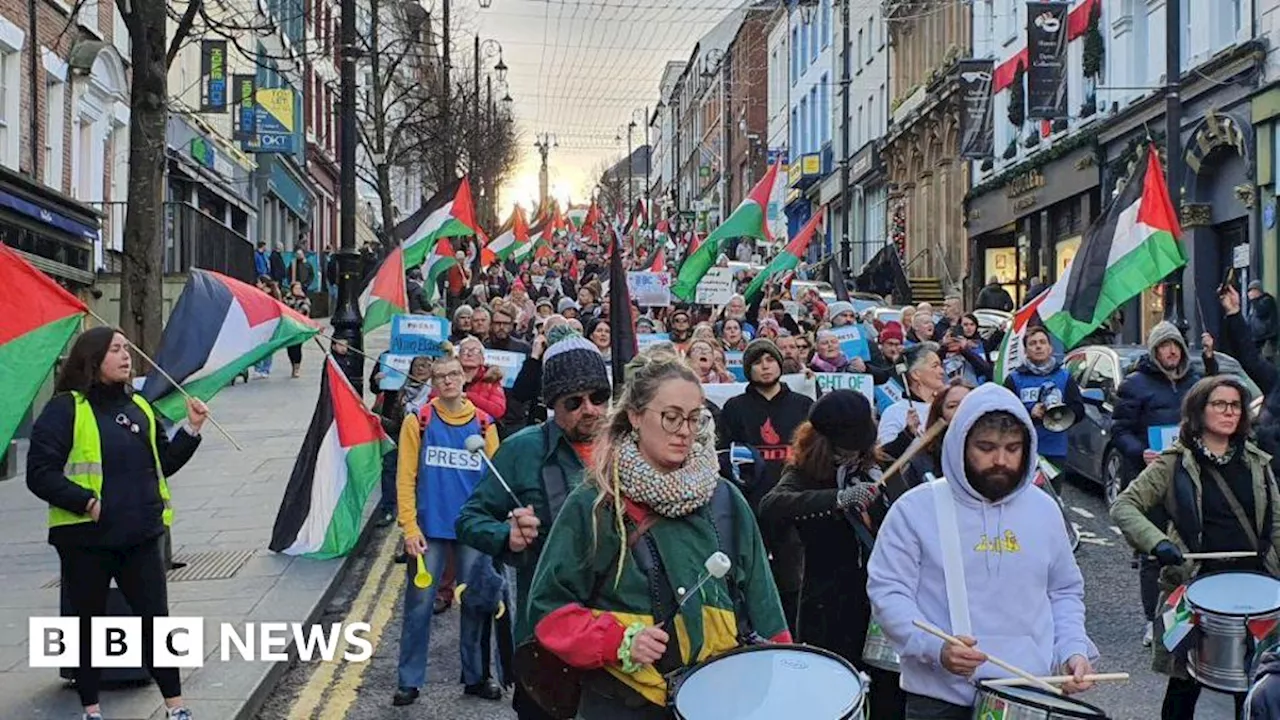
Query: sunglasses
x,y
599,398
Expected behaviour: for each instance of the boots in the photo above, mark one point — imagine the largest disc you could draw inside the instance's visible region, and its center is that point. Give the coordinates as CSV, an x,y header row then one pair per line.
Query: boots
x,y
297,371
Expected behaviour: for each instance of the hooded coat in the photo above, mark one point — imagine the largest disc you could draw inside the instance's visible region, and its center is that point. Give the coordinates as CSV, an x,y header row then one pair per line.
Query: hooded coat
x,y
1025,591
1149,397
1263,702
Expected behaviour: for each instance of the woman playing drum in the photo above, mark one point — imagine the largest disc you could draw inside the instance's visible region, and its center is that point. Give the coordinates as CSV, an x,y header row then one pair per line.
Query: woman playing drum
x,y
631,544
1195,489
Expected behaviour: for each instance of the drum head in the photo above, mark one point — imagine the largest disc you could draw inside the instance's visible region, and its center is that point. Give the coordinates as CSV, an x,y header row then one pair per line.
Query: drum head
x,y
1235,593
769,682
1060,706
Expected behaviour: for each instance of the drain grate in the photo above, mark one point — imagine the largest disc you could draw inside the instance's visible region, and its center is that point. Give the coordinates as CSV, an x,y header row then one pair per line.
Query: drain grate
x,y
213,565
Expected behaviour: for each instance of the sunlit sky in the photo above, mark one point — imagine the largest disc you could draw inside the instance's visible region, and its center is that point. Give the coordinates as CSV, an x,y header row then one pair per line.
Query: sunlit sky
x,y
579,69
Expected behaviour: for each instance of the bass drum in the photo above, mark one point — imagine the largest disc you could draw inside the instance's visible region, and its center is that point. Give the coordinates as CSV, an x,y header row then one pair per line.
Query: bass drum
x,y
766,682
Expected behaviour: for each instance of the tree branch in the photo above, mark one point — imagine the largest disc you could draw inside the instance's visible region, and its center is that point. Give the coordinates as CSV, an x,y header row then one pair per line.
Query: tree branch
x,y
181,31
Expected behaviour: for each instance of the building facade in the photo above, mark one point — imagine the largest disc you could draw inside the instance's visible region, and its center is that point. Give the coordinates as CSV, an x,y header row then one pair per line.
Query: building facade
x,y
868,58
746,106
778,105
928,180
812,124
319,100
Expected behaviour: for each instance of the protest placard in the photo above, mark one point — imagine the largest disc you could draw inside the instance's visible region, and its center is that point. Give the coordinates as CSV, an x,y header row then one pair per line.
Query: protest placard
x,y
715,288
857,382
853,342
887,394
1161,437
418,335
719,393
508,362
650,289
395,371
733,363
645,341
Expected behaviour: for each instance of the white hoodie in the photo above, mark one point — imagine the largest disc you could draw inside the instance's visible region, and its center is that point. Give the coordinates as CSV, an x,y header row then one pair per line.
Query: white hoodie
x,y
1025,591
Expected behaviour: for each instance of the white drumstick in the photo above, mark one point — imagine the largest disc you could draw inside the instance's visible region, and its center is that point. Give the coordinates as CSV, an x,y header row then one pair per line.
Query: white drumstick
x,y
1031,679
476,445
1060,679
717,566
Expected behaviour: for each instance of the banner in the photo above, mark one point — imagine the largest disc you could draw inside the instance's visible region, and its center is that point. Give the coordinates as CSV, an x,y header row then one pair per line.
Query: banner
x,y
213,76
276,118
645,341
1047,58
414,335
715,288
977,129
244,121
508,362
719,393
858,382
650,289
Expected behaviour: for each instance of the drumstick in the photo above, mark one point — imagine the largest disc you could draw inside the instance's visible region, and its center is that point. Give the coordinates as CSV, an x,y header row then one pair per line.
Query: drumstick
x,y
1059,679
1031,679
933,432
1228,555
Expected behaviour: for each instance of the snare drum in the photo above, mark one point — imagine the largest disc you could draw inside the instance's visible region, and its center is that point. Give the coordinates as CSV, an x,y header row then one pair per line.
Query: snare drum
x,y
1224,604
877,652
766,682
1015,702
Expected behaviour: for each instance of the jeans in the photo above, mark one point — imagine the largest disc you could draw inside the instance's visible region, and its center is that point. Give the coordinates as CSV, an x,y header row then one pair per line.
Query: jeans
x,y
264,365
139,572
920,707
388,502
415,636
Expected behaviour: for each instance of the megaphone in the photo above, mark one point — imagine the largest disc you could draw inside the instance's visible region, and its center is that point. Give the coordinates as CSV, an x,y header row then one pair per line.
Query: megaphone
x,y
1058,418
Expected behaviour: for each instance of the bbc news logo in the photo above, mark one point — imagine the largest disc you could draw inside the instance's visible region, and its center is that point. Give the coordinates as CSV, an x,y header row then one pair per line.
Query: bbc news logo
x,y
179,642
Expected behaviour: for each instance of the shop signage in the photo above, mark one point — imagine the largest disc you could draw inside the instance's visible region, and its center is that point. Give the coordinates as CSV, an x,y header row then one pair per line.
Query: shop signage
x,y
244,121
1032,191
1027,182
1047,56
202,152
864,162
805,170
276,117
977,129
213,76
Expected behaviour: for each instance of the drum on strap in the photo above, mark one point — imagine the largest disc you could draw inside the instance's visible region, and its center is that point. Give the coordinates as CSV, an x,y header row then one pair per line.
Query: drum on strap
x,y
1224,604
877,652
1013,702
765,682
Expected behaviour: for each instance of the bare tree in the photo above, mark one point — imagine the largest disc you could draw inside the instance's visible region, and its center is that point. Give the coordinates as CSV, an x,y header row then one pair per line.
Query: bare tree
x,y
613,190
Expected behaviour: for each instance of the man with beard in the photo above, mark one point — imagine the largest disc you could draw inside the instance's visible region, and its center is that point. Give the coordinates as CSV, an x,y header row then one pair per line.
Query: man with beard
x,y
885,354
765,417
480,323
791,361
542,464
680,327
1151,397
992,566
501,325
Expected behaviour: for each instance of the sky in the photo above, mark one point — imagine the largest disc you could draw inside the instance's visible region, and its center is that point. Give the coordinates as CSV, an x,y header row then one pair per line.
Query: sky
x,y
580,70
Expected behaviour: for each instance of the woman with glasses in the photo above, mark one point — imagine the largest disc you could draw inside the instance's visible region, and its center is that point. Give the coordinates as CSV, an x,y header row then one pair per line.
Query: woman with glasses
x,y
655,480
1212,491
703,357
483,383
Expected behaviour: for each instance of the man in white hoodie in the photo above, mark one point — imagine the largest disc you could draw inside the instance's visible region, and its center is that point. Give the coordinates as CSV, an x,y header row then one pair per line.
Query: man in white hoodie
x,y
1015,588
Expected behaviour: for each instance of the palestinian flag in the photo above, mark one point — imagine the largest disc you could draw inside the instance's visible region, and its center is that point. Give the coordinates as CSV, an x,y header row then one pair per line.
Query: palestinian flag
x,y
1177,621
37,319
659,261
577,216
1133,246
788,259
508,240
1011,350
746,221
442,258
448,214
386,294
217,330
338,466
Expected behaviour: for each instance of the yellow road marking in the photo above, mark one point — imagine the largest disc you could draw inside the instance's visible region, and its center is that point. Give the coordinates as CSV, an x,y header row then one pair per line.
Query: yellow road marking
x,y
311,695
343,694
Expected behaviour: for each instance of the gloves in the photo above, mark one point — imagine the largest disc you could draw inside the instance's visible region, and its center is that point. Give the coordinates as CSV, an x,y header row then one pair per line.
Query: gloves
x,y
1167,554
858,495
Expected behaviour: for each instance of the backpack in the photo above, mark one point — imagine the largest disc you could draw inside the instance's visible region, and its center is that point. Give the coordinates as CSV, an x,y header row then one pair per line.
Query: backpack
x,y
425,415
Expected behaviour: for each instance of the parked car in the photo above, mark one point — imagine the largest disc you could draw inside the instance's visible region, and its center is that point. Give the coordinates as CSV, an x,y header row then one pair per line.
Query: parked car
x,y
1099,370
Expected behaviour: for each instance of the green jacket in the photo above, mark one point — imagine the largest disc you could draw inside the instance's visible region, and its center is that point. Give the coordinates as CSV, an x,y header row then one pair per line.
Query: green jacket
x,y
483,521
580,606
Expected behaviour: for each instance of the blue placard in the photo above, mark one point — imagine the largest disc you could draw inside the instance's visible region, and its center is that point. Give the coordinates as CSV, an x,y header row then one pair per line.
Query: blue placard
x,y
733,363
394,369
508,362
645,341
414,335
1161,437
853,342
887,394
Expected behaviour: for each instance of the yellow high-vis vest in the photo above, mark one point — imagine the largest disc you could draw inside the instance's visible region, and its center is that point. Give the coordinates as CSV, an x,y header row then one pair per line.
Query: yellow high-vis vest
x,y
84,462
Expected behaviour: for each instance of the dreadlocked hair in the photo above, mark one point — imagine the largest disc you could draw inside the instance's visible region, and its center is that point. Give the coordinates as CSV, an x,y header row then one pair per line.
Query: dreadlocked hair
x,y
645,374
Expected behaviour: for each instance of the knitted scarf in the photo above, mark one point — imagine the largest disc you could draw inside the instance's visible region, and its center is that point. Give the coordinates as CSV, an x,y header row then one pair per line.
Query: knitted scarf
x,y
829,366
674,494
1041,369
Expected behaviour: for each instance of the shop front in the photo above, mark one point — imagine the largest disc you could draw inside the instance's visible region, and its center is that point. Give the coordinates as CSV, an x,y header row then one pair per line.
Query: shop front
x,y
867,182
52,231
1026,224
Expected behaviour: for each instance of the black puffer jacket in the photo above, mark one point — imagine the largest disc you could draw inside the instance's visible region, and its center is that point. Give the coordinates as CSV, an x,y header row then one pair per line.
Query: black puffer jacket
x,y
1263,702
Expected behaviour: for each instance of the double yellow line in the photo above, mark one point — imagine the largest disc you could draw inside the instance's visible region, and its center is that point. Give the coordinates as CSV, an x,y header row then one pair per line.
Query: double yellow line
x,y
333,686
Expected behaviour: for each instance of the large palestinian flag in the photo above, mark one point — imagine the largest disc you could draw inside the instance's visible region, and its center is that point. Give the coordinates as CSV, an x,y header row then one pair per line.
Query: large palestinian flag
x,y
746,221
217,330
501,247
448,214
37,318
387,293
788,259
338,467
438,263
1133,246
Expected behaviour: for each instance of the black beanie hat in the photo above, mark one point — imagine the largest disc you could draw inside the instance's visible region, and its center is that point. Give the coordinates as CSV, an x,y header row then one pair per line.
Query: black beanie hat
x,y
757,349
844,418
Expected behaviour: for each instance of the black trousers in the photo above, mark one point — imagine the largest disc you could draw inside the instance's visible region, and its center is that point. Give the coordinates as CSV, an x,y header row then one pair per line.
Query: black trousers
x,y
920,707
1180,700
139,572
526,708
295,354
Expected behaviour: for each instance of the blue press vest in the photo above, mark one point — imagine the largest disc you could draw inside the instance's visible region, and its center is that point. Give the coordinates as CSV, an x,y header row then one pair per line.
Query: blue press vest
x,y
1052,444
447,473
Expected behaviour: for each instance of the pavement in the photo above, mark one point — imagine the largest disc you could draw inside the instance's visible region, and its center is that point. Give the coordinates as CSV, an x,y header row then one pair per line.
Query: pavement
x,y
225,502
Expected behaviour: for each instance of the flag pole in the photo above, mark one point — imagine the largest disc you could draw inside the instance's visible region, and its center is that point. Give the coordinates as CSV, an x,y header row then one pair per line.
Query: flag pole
x,y
167,376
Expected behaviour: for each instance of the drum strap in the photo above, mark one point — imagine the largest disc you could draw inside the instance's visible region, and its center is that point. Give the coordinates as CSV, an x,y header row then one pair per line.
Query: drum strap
x,y
952,564
1236,509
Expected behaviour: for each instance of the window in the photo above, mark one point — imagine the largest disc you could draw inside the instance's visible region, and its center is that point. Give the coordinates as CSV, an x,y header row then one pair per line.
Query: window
x,y
826,109
814,40
10,87
857,59
826,22
804,46
1011,22
87,16
871,34
873,120
803,145
857,131
55,111
814,122
795,56
795,132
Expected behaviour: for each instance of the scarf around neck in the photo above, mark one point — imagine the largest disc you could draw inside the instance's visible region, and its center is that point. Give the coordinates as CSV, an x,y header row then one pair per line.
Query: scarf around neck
x,y
674,494
1045,368
841,362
